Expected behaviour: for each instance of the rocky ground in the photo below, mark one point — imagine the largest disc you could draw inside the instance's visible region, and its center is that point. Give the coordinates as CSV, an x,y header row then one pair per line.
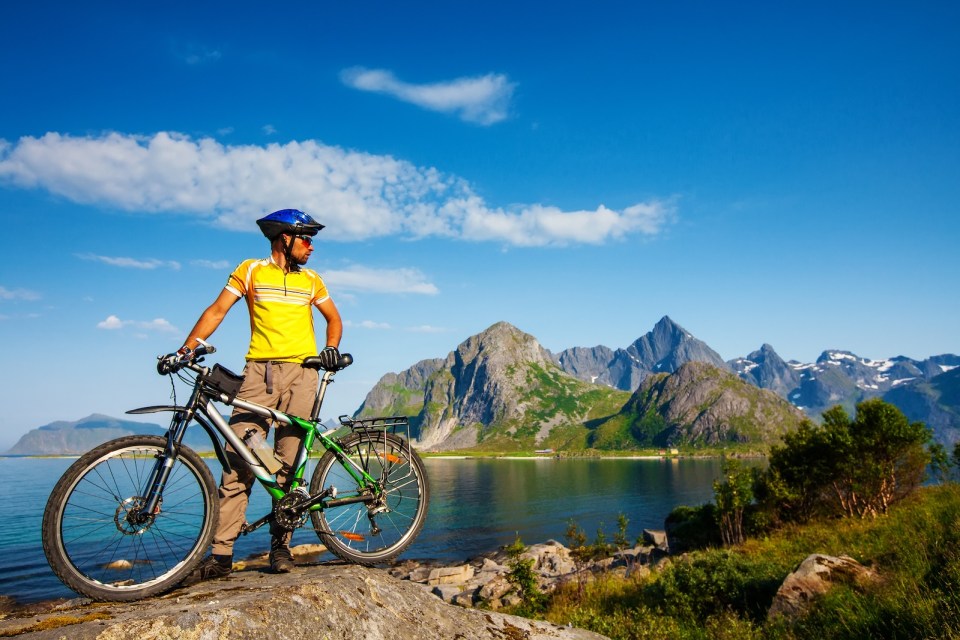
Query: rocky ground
x,y
483,580
332,600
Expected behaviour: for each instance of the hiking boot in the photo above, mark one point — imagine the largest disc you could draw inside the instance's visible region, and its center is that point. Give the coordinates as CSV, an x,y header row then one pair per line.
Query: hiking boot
x,y
210,568
281,560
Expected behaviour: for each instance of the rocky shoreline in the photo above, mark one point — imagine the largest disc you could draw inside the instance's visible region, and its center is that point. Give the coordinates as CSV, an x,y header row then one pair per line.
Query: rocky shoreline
x,y
329,599
483,580
343,597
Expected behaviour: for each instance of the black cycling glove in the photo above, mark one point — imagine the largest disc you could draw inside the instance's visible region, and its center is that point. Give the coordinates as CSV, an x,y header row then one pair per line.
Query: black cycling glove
x,y
329,357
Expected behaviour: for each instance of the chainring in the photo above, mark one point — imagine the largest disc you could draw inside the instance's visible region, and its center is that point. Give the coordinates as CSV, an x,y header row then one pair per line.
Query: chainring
x,y
291,510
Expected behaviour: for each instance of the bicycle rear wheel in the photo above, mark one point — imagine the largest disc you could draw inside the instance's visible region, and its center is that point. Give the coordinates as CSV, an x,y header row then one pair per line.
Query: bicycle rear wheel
x,y
95,542
369,534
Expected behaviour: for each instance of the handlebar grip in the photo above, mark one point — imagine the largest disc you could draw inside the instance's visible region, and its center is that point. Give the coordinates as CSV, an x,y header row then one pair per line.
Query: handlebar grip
x,y
165,365
173,362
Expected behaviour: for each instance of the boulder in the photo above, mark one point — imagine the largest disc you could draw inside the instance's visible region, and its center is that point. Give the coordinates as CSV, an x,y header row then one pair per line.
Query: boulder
x,y
450,575
814,577
656,538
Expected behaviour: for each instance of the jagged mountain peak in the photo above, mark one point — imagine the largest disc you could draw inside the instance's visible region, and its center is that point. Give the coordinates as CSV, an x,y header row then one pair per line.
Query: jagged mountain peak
x,y
661,350
502,342
767,370
699,404
499,384
767,350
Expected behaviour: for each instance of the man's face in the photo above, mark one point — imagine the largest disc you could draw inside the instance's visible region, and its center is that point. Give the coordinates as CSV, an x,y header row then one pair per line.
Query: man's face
x,y
302,248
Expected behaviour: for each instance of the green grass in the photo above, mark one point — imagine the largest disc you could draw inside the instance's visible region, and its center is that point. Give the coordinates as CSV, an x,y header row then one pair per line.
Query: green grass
x,y
725,593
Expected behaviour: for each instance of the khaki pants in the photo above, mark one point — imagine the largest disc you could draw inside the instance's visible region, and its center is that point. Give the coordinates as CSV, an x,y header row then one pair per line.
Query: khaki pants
x,y
294,391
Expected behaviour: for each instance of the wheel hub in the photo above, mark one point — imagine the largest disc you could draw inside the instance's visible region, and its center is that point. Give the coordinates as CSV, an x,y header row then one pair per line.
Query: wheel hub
x,y
130,519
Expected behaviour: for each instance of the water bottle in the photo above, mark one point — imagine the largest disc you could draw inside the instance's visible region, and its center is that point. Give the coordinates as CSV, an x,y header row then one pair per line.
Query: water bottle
x,y
262,450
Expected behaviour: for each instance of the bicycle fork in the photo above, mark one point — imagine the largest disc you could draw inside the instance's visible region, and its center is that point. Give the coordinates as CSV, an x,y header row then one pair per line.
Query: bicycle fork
x,y
153,500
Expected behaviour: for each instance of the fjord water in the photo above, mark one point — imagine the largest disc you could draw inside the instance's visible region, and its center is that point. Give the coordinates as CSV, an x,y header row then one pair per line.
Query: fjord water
x,y
477,505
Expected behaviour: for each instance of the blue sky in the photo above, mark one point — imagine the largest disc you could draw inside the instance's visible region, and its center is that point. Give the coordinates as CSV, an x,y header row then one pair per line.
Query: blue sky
x,y
783,173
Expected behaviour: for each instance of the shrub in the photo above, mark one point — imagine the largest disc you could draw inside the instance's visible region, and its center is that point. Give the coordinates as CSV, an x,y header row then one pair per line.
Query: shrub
x,y
848,467
711,583
524,581
690,528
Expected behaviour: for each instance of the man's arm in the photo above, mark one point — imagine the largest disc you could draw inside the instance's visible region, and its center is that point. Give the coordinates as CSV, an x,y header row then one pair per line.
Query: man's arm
x,y
334,323
211,318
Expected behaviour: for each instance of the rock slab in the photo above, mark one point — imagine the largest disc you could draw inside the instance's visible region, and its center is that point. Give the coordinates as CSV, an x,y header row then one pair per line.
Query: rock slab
x,y
327,602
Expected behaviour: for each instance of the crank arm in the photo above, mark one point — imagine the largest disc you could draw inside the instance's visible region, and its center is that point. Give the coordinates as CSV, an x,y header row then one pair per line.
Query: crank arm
x,y
249,528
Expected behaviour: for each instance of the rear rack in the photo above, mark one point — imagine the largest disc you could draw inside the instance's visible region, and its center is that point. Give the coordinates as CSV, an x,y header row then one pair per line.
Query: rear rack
x,y
397,425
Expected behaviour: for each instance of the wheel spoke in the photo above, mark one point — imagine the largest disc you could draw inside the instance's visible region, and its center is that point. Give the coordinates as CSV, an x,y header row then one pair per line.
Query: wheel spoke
x,y
99,544
398,512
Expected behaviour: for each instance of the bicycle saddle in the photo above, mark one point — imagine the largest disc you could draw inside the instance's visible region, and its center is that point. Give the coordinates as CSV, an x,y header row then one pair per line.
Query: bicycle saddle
x,y
313,362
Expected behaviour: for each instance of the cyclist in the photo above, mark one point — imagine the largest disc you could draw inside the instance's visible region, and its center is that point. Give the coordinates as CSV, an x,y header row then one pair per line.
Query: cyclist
x,y
280,295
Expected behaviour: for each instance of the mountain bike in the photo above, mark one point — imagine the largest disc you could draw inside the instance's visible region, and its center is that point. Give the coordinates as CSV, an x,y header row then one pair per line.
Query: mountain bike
x,y
133,517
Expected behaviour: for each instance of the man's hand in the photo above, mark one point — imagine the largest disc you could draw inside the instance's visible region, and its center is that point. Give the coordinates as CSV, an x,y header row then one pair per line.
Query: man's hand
x,y
172,361
329,358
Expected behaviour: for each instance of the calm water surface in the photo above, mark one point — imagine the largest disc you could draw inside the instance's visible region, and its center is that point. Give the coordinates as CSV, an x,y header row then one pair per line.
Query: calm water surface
x,y
476,506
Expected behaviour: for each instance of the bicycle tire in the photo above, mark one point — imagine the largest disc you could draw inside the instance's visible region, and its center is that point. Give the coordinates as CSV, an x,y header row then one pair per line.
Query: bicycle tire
x,y
346,530
98,553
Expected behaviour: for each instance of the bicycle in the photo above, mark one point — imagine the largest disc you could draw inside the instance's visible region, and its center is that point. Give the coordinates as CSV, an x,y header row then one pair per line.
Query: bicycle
x,y
133,517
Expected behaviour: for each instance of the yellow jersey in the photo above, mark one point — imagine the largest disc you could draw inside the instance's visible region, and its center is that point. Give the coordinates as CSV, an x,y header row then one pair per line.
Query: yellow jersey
x,y
281,309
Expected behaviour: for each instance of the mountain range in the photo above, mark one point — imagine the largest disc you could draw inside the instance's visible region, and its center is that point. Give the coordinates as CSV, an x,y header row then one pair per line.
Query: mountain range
x,y
502,390
79,436
465,400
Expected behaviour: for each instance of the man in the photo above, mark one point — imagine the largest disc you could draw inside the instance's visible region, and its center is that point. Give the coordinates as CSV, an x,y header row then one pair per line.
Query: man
x,y
280,297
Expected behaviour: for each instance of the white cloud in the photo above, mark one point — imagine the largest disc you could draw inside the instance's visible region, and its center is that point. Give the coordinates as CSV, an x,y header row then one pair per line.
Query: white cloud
x,y
196,54
368,324
360,278
219,265
113,323
18,294
357,195
131,263
426,328
482,99
269,129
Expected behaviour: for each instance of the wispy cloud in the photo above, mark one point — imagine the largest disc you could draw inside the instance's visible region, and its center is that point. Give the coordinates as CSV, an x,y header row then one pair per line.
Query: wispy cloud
x,y
18,294
195,54
113,323
426,328
360,278
219,265
368,324
131,263
481,99
360,195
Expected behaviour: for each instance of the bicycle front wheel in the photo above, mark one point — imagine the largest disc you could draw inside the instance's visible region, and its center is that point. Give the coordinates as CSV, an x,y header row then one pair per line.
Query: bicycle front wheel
x,y
99,542
378,531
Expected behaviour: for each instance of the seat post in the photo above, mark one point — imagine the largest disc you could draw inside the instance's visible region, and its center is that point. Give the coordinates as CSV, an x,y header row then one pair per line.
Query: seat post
x,y
325,379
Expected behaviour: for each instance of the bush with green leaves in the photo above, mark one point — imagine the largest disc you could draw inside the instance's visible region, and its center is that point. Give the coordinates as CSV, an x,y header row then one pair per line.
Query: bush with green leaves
x,y
847,466
523,579
733,496
690,528
710,583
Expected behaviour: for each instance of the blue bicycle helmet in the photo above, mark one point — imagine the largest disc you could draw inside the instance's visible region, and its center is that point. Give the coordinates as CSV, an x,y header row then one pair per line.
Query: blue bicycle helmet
x,y
292,221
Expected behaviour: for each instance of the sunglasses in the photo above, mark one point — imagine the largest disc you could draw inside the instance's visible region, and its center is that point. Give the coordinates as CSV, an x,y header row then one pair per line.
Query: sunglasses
x,y
307,240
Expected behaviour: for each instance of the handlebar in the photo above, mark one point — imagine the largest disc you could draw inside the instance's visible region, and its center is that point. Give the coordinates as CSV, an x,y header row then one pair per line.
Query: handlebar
x,y
173,362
